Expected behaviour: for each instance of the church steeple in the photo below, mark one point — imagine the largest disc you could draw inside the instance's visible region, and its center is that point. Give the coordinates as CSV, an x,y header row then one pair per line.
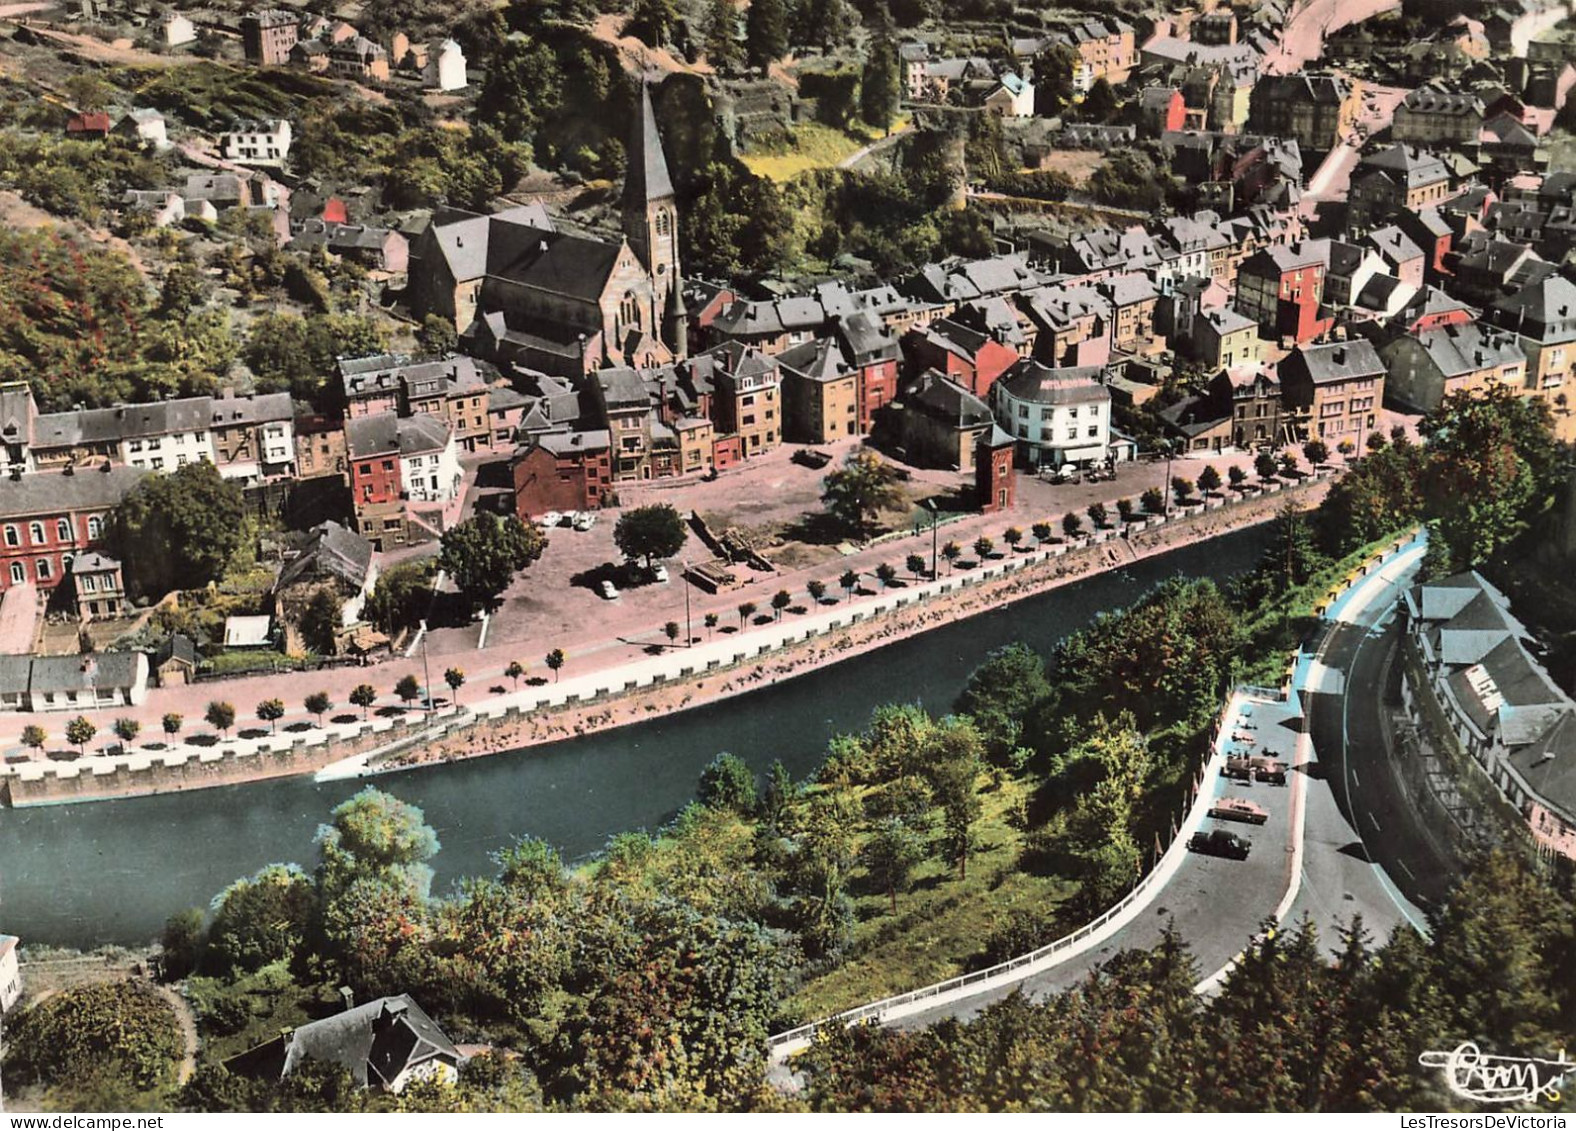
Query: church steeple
x,y
651,219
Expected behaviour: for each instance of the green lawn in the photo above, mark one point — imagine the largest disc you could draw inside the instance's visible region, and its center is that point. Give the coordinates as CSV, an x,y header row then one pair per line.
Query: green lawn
x,y
811,145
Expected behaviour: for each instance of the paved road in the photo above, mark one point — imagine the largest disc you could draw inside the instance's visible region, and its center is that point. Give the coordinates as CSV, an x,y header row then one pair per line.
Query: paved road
x,y
1351,726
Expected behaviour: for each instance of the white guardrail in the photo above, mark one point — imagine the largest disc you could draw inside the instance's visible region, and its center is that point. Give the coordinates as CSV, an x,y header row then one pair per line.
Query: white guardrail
x,y
1052,954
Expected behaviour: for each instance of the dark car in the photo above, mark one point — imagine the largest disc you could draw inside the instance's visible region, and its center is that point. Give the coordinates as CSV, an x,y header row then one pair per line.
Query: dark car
x,y
1218,842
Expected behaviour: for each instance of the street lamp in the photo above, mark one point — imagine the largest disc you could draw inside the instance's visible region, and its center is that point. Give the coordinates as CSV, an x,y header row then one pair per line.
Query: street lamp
x,y
426,673
689,633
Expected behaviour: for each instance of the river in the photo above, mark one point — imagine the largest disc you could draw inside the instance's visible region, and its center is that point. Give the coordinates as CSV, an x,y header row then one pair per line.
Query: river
x,y
111,872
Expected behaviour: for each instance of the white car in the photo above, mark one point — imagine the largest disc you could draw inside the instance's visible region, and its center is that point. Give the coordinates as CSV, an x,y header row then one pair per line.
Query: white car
x,y
550,520
660,574
583,520
609,591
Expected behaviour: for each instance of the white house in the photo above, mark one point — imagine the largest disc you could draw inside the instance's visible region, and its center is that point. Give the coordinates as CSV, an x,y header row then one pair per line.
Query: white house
x,y
258,143
10,973
176,29
429,462
445,70
1012,98
1057,416
145,126
164,435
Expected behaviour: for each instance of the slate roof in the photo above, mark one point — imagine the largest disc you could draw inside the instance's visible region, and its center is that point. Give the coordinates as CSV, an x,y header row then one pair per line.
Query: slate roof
x,y
1330,362
1545,310
375,1043
331,551
1408,165
564,443
646,175
53,493
69,673
1469,348
944,399
384,433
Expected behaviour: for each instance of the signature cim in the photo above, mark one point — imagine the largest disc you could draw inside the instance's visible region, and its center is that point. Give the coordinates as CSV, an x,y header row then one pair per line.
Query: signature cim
x,y
1475,1075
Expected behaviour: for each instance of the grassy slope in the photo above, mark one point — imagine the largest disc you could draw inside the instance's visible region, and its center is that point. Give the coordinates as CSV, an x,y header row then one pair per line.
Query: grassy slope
x,y
812,145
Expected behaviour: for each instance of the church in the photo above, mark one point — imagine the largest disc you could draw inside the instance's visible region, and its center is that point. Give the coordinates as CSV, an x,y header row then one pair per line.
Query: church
x,y
519,291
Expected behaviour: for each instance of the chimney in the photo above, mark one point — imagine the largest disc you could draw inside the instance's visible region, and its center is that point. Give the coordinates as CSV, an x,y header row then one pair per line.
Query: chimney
x,y
348,996
1339,356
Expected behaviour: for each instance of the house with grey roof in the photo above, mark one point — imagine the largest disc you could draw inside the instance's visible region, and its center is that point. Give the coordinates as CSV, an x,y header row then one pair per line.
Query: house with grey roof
x,y
385,1044
1424,368
1473,671
1057,416
83,683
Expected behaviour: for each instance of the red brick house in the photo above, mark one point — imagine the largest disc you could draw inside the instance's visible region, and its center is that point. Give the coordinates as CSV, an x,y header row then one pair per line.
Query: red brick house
x,y
1164,109
971,358
93,124
873,354
562,471
1281,286
994,483
46,519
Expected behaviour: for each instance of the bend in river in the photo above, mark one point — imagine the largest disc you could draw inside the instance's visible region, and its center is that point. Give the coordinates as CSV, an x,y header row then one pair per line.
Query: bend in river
x,y
112,872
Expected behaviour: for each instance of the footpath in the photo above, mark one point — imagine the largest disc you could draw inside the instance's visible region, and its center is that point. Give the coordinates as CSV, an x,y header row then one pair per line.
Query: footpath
x,y
392,737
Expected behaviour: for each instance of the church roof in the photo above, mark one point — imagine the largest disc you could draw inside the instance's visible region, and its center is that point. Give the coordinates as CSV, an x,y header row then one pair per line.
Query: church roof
x,y
646,175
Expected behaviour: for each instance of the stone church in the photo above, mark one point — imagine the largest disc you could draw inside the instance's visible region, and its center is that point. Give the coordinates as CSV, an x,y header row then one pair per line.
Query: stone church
x,y
518,290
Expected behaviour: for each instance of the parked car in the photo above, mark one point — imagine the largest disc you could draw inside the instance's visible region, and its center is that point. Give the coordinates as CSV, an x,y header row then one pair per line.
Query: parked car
x,y
609,590
1270,770
550,520
583,520
1239,809
1219,842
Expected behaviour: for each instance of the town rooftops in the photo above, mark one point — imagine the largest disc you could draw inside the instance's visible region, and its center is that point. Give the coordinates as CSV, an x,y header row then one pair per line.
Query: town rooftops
x,y
1407,165
1545,310
260,408
1444,103
942,398
570,443
50,674
93,562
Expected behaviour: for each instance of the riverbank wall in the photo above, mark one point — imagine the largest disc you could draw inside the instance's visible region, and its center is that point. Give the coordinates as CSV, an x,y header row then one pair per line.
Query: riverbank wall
x,y
724,667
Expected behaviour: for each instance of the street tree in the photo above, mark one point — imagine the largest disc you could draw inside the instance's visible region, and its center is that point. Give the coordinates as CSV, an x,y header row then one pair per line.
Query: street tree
x,y
483,554
747,609
1209,480
1012,536
513,672
857,493
33,736
271,711
1237,475
711,623
1042,532
1264,464
984,547
1097,515
671,630
455,678
408,689
555,662
1153,501
363,695
952,552
80,732
780,601
1182,489
816,589
126,730
1124,510
1072,525
849,581
318,703
172,724
1316,452
1288,464
220,715
655,531
1376,441
886,573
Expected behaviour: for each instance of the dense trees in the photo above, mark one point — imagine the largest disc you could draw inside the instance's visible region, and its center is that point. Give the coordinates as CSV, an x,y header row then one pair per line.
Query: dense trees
x,y
178,529
1292,1030
482,555
123,1034
881,84
295,354
766,33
